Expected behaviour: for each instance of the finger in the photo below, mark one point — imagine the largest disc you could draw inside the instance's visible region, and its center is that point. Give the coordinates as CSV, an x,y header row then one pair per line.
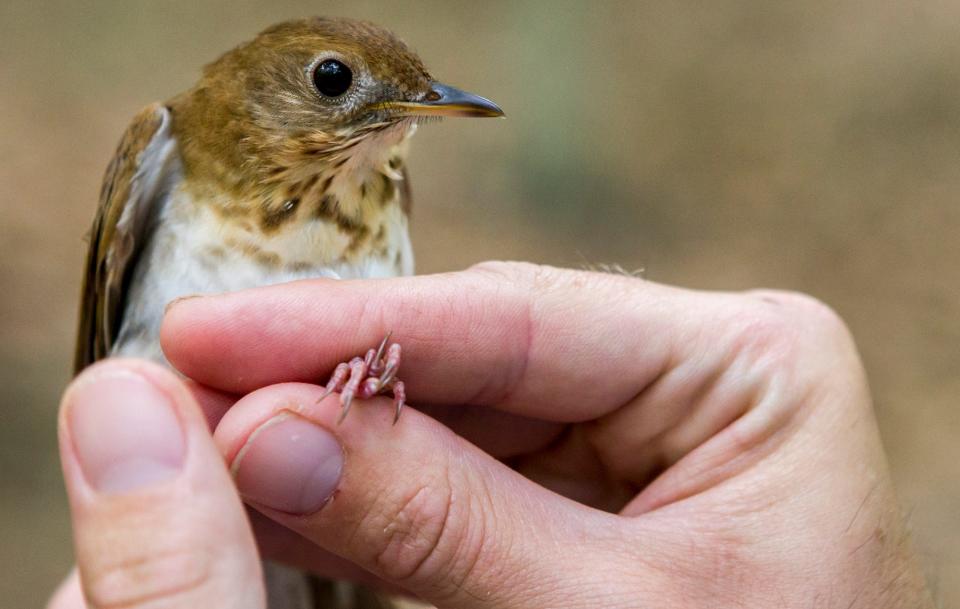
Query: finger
x,y
280,544
213,404
546,343
499,434
156,519
413,504
68,594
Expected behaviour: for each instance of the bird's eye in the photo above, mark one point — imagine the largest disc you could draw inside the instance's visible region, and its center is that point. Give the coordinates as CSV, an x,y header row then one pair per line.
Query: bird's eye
x,y
332,78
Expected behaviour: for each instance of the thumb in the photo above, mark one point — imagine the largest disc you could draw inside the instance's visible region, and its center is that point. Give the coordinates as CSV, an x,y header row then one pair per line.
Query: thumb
x,y
156,519
414,504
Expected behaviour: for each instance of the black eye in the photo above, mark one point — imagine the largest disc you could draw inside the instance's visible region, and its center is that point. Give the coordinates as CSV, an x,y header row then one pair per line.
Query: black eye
x,y
332,78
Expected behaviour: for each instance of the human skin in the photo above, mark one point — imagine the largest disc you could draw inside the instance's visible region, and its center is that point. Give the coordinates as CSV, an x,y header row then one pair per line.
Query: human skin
x,y
579,440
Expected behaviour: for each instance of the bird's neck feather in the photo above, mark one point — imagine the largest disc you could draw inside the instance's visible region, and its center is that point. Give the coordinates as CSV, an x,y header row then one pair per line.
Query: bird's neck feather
x,y
269,179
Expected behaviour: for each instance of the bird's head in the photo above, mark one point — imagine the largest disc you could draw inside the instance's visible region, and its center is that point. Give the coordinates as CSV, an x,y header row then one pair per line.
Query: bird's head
x,y
341,74
315,88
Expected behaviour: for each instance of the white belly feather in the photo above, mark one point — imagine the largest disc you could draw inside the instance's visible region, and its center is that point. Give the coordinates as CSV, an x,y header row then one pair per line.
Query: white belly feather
x,y
176,262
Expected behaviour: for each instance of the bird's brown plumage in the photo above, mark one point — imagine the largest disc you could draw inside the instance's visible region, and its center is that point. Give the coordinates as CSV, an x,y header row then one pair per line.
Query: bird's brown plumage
x,y
254,127
279,178
239,139
113,246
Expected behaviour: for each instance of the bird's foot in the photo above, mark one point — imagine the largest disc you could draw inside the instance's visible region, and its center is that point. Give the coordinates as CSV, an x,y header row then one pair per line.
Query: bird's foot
x,y
362,378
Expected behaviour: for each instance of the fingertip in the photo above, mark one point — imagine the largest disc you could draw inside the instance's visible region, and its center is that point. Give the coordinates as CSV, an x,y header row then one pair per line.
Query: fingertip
x,y
240,341
124,426
155,374
256,409
68,594
185,336
141,470
117,365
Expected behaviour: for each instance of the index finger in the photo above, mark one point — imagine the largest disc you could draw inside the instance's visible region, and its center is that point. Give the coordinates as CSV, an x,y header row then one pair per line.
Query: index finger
x,y
543,342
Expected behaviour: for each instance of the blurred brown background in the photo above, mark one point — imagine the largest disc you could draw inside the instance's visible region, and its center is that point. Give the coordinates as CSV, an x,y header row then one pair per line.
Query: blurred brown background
x,y
808,145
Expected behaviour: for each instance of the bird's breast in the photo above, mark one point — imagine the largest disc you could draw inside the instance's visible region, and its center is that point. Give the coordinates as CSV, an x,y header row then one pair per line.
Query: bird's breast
x,y
197,249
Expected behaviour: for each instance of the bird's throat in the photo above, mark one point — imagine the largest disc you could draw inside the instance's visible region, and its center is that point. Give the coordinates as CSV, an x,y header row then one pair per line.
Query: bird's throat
x,y
313,202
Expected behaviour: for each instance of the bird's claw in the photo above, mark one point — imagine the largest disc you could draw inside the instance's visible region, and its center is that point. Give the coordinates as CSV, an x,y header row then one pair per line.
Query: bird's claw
x,y
364,378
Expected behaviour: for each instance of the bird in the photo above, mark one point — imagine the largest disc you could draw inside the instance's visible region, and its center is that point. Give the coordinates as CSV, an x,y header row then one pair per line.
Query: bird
x,y
285,161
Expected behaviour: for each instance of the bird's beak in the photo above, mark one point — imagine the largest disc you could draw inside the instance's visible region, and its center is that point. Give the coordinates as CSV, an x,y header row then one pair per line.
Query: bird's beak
x,y
443,100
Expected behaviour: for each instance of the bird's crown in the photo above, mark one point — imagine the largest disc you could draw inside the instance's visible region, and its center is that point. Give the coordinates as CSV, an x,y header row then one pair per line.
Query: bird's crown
x,y
321,74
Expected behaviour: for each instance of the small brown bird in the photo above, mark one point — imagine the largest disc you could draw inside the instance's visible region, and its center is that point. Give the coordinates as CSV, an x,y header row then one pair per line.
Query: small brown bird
x,y
285,161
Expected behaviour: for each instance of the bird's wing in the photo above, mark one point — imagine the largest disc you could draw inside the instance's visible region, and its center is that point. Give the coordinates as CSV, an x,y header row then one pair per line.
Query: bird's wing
x,y
136,180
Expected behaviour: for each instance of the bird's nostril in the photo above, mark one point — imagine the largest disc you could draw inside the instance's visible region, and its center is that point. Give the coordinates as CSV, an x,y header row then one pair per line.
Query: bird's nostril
x,y
433,96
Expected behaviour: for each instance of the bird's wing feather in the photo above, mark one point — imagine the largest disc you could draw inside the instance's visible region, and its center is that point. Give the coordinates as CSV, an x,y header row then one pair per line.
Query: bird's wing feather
x,y
136,180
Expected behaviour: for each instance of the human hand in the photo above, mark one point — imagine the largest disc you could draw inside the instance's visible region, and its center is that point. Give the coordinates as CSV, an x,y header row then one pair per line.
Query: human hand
x,y
732,434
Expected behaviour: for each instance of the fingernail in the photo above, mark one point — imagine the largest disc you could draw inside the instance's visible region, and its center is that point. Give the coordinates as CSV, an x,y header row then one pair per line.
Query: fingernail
x,y
289,464
178,300
125,431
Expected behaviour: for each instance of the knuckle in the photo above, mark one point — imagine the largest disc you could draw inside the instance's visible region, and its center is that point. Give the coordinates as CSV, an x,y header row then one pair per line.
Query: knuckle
x,y
786,322
800,305
504,270
435,538
534,280
527,274
415,531
761,329
169,578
